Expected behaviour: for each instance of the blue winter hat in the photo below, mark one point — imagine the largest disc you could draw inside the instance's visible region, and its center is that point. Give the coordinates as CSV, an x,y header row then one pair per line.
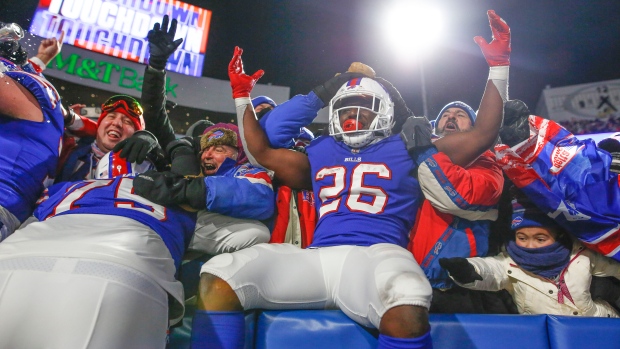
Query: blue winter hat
x,y
457,104
526,214
262,99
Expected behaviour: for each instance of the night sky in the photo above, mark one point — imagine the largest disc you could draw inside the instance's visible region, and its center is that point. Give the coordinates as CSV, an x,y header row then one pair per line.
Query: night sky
x,y
301,43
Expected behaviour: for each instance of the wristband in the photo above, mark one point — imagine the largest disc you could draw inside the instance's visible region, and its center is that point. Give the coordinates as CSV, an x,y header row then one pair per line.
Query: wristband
x,y
241,104
37,64
242,101
499,76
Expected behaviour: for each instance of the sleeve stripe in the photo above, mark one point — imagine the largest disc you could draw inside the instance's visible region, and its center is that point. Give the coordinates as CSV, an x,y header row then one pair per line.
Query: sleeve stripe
x,y
259,181
453,203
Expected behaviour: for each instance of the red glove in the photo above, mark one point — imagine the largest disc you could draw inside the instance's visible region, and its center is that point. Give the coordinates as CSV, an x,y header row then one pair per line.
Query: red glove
x,y
497,53
241,83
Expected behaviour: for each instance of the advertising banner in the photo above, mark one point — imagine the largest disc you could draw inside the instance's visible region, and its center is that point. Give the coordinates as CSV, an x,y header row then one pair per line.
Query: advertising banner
x,y
119,28
116,75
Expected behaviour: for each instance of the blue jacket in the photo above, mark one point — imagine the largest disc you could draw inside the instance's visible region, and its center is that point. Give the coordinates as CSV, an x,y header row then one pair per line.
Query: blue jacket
x,y
240,191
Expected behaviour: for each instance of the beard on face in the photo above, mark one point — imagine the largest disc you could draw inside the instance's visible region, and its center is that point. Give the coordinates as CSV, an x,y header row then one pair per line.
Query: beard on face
x,y
449,127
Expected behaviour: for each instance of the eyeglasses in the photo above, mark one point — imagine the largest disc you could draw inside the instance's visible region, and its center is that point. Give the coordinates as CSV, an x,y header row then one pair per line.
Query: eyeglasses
x,y
123,101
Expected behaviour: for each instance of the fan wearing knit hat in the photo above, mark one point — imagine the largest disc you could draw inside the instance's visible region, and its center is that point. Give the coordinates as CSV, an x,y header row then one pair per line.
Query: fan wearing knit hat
x,y
454,117
262,105
460,202
541,246
543,269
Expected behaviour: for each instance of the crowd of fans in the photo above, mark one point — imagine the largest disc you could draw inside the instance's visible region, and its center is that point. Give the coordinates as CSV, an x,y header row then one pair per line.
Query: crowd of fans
x,y
386,217
589,126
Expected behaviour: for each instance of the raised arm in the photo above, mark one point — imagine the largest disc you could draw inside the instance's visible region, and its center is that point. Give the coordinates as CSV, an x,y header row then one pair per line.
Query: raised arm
x,y
48,49
161,46
17,101
290,168
159,131
464,147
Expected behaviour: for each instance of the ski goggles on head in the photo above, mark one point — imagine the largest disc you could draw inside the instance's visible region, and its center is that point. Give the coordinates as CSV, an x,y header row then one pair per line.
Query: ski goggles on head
x,y
128,103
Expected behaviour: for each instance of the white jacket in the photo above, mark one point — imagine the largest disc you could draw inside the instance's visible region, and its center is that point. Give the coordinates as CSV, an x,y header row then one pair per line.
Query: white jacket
x,y
536,295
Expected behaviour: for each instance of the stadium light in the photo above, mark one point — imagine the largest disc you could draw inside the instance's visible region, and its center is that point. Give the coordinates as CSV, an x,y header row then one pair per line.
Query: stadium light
x,y
411,28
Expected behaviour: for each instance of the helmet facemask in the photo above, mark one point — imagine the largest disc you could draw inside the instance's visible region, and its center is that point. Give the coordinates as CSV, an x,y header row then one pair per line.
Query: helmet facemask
x,y
353,97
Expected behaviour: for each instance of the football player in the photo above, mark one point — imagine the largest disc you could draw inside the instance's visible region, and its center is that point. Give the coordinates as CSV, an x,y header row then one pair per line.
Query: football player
x,y
366,200
31,127
98,270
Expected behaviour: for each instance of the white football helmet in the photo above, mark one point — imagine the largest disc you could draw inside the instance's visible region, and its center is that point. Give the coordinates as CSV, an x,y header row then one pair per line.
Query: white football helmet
x,y
112,165
362,93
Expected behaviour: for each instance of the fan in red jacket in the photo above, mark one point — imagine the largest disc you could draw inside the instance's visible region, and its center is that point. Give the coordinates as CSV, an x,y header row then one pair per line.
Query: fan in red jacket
x,y
460,202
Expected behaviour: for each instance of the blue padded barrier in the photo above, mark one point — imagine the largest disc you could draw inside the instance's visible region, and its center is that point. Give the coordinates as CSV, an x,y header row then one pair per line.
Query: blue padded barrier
x,y
568,332
180,336
327,329
477,331
311,329
331,329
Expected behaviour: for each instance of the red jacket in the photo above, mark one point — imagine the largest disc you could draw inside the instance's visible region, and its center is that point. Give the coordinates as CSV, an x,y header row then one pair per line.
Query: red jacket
x,y
454,218
303,201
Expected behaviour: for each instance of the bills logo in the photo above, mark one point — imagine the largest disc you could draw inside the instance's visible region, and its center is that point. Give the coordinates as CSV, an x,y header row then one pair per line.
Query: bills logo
x,y
353,159
450,191
516,222
354,83
561,156
216,135
308,196
437,248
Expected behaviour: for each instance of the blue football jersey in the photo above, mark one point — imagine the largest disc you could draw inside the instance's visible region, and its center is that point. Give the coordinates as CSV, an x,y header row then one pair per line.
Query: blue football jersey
x,y
115,197
29,150
364,196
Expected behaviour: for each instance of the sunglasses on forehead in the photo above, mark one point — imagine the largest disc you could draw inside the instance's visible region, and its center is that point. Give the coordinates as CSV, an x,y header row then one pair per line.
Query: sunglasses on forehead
x,y
125,102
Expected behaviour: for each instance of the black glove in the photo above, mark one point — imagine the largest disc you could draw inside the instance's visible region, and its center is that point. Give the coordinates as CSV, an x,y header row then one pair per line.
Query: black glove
x,y
401,111
460,269
183,154
162,43
167,188
137,147
416,133
328,90
516,127
14,52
